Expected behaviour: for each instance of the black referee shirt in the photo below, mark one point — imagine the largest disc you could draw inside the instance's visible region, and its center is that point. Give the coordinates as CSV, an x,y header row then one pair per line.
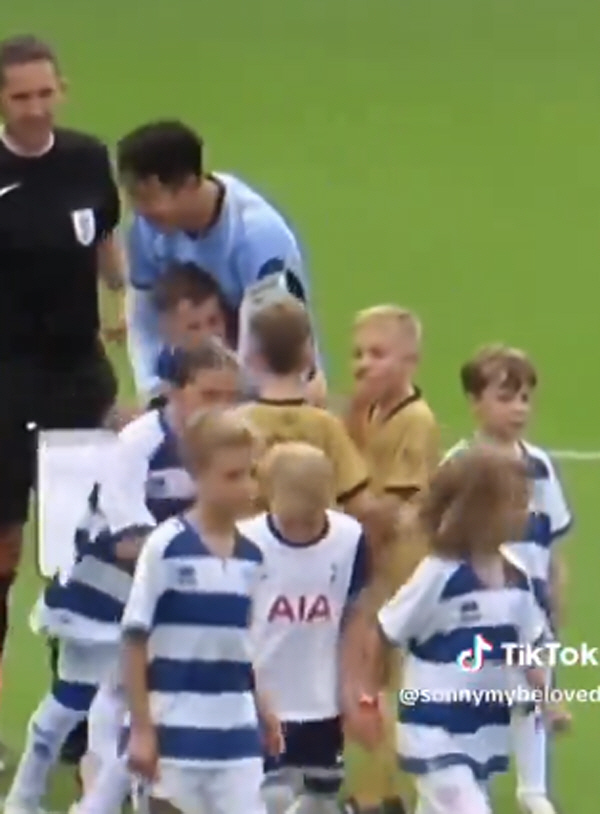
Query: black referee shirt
x,y
54,211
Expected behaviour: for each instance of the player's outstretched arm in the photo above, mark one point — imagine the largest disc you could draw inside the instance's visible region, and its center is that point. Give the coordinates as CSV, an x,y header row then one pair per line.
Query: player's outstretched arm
x,y
143,334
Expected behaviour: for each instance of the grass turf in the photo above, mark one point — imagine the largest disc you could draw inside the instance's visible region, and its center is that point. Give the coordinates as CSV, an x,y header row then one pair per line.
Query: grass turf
x,y
444,155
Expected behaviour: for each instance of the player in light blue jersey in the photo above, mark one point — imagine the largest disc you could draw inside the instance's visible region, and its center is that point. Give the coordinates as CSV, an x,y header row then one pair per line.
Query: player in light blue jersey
x,y
451,736
499,382
184,213
189,677
145,482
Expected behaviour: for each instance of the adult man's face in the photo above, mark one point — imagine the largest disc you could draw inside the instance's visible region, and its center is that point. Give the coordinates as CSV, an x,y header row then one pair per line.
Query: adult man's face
x,y
30,94
168,207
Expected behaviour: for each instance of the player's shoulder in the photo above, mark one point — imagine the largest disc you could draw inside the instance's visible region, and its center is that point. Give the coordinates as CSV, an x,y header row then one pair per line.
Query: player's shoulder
x,y
77,144
539,461
144,433
440,568
161,539
433,576
455,579
325,417
257,216
520,569
457,449
255,529
413,414
416,409
344,528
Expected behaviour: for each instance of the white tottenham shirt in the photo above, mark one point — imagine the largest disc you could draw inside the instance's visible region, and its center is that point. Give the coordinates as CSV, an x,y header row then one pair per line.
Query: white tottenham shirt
x,y
301,600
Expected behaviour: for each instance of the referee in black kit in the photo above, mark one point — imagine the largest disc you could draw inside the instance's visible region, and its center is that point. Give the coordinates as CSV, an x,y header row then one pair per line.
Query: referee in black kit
x,y
59,207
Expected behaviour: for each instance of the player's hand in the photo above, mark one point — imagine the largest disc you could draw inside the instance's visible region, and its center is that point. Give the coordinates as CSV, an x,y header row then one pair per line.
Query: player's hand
x,y
142,752
363,395
272,734
558,717
364,725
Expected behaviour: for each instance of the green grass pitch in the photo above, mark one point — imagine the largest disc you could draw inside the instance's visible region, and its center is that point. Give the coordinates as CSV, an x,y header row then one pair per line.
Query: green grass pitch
x,y
439,153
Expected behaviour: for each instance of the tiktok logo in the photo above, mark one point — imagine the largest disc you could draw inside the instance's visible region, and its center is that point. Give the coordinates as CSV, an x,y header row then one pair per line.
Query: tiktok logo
x,y
471,660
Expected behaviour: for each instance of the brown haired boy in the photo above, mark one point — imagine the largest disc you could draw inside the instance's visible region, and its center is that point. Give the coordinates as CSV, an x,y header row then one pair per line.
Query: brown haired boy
x,y
281,354
499,382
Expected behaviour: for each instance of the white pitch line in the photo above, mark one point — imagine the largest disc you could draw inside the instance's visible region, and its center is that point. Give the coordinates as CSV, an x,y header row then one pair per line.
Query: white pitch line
x,y
575,455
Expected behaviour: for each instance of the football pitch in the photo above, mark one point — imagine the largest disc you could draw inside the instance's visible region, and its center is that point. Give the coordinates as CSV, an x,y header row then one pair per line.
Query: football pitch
x,y
444,154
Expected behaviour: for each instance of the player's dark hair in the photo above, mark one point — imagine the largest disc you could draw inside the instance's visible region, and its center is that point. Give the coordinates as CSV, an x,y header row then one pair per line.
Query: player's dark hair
x,y
509,367
168,150
209,355
184,281
281,332
476,501
23,49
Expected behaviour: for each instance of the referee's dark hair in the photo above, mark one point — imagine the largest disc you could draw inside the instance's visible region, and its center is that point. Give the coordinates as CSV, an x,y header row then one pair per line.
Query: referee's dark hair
x,y
168,150
23,49
210,355
184,281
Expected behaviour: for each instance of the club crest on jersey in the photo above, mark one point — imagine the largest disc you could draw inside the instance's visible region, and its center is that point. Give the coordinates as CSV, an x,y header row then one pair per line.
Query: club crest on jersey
x,y
306,609
186,576
469,611
84,226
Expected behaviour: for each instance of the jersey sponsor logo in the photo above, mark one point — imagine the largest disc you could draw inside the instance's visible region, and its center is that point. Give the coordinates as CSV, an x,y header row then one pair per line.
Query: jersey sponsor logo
x,y
84,225
5,190
306,609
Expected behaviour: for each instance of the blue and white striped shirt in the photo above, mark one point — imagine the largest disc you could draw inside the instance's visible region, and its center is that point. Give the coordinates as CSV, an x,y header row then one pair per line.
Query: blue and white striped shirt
x,y
144,483
196,609
435,618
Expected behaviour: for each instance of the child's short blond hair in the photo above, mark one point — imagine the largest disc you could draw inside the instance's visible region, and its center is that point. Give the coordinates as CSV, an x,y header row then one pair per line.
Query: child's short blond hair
x,y
301,472
406,319
209,431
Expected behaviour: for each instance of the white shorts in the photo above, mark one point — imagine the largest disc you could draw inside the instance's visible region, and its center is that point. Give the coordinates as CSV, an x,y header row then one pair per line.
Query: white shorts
x,y
234,789
106,720
451,791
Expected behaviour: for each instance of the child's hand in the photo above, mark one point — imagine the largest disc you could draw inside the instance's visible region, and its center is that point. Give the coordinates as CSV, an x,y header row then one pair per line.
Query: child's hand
x,y
271,726
142,752
558,717
363,395
363,722
272,734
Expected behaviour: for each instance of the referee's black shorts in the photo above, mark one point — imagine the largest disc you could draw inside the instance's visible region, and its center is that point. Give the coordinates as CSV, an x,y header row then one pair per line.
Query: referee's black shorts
x,y
60,395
